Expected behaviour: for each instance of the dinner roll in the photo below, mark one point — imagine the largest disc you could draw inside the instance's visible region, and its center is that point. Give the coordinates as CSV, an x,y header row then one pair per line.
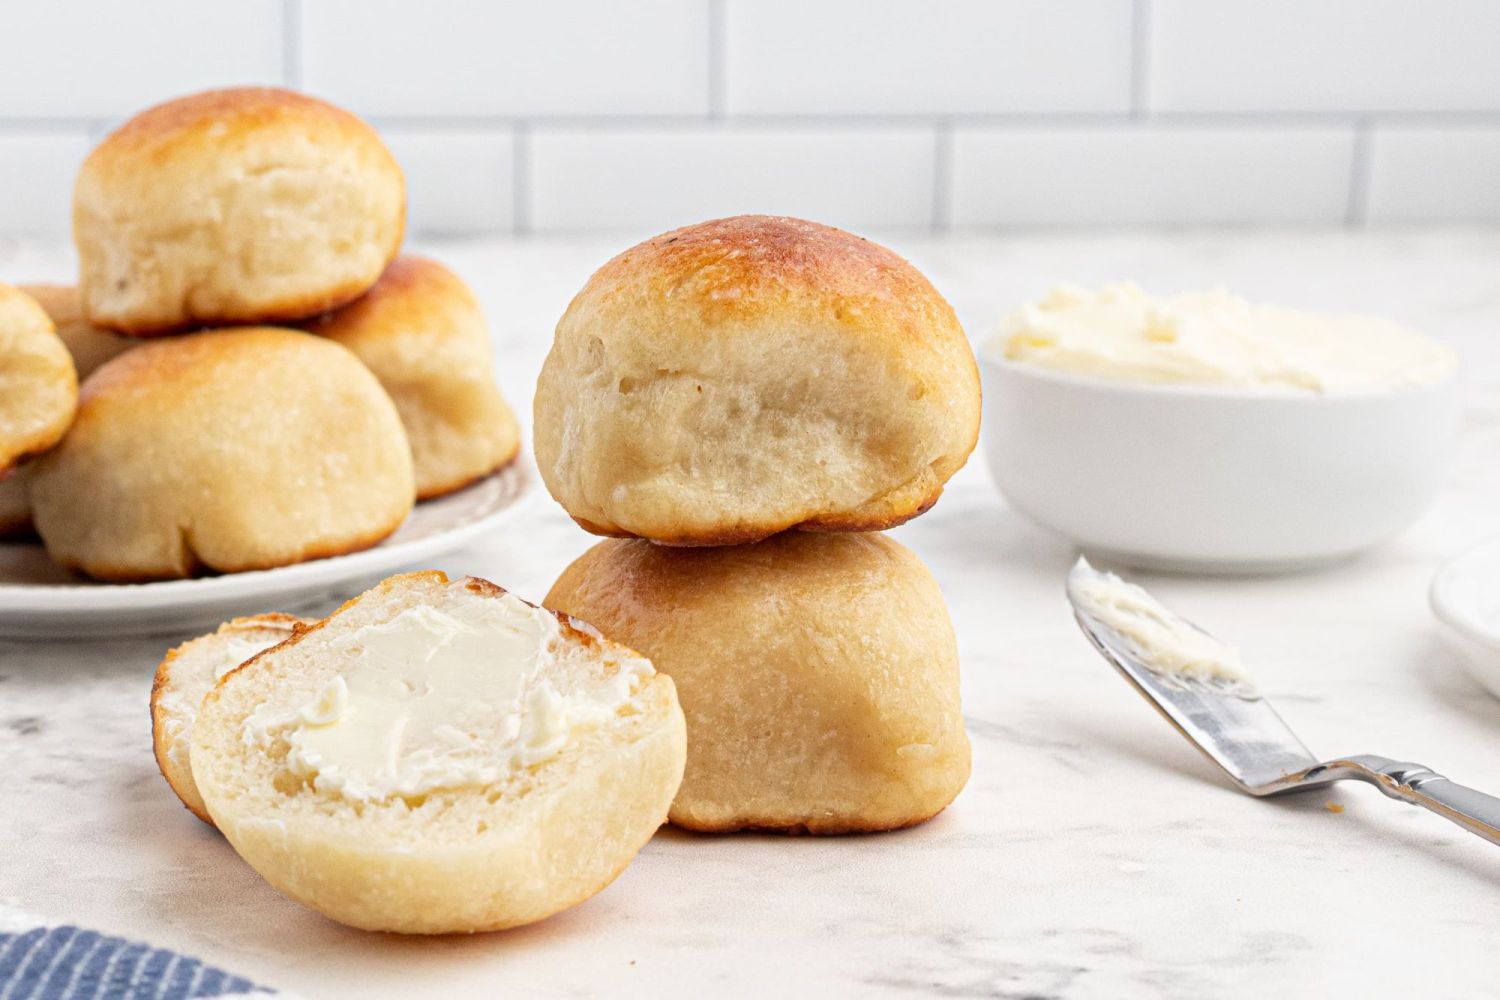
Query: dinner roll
x,y
723,382
818,673
420,330
89,345
439,756
38,385
246,205
186,675
225,450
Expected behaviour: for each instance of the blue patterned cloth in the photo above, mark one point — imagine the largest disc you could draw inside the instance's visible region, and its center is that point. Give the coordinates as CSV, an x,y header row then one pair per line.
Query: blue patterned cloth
x,y
69,963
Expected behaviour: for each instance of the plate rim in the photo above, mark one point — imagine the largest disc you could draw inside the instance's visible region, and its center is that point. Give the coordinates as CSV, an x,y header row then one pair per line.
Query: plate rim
x,y
33,598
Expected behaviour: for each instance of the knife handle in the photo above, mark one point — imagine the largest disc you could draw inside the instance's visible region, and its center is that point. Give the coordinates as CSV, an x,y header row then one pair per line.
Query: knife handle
x,y
1421,786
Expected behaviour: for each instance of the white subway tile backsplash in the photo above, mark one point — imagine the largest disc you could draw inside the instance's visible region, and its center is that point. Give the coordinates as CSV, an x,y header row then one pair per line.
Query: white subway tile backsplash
x,y
1324,55
574,115
655,179
1144,175
37,172
475,57
106,59
1435,174
457,182
948,57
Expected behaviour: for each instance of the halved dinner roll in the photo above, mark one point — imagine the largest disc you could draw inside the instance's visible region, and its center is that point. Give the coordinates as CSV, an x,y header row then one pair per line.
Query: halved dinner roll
x,y
420,330
38,384
818,673
226,450
247,205
726,381
440,756
186,675
88,344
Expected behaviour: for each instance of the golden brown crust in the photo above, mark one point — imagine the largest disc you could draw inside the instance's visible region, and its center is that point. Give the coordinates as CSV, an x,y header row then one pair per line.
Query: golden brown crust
x,y
159,739
107,572
861,521
289,310
793,826
412,292
856,521
750,267
818,675
246,205
422,333
437,489
38,383
731,380
214,119
223,451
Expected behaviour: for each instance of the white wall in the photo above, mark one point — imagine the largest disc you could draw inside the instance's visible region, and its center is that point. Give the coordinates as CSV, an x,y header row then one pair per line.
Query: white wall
x,y
572,115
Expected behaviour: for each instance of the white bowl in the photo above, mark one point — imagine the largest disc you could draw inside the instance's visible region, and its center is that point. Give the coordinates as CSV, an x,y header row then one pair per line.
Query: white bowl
x,y
1208,479
1465,597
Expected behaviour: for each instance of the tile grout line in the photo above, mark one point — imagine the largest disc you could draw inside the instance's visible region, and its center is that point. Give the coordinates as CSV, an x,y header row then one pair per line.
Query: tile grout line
x,y
520,222
57,125
942,177
1060,120
1140,58
717,67
1358,207
504,123
999,120
291,43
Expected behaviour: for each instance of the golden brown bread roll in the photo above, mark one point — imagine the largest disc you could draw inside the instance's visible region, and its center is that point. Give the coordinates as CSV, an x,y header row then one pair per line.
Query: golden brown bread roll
x,y
225,450
89,345
38,385
818,674
420,330
246,205
729,380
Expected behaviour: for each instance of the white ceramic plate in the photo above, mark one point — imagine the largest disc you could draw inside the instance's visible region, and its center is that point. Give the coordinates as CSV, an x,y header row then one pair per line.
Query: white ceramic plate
x,y
40,601
1465,597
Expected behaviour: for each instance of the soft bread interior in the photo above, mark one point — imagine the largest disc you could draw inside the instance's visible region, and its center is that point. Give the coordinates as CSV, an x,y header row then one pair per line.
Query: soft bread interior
x,y
186,675
537,838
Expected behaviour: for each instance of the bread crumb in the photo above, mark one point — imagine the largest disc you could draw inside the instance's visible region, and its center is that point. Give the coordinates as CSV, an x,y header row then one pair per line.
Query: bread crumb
x,y
1333,807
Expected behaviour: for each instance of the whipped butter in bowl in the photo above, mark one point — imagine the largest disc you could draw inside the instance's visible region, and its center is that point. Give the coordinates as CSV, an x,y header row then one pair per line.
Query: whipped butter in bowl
x,y
1200,431
1214,338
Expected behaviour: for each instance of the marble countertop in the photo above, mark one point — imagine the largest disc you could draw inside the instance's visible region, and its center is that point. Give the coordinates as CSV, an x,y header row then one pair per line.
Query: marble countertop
x,y
1093,854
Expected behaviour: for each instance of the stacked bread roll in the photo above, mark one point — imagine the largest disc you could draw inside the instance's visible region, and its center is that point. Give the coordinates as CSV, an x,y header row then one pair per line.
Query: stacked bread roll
x,y
264,380
743,405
